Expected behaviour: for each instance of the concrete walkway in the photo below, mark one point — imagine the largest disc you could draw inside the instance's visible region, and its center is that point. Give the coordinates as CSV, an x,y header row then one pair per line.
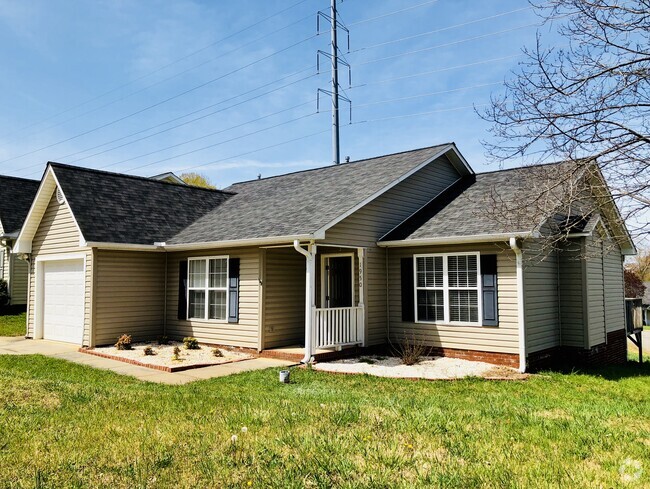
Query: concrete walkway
x,y
65,351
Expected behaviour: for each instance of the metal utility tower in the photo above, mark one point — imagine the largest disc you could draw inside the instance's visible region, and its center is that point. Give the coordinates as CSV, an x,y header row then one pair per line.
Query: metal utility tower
x,y
334,92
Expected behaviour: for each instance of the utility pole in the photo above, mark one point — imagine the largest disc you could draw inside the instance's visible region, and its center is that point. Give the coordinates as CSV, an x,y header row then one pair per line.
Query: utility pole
x,y
336,144
333,55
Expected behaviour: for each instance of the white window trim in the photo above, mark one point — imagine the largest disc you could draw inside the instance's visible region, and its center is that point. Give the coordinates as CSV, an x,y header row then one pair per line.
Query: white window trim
x,y
446,288
2,263
207,289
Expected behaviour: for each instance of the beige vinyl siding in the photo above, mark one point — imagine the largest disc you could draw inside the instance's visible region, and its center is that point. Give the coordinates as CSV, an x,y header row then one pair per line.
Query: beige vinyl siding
x,y
245,333
572,304
284,298
501,339
614,289
595,292
366,226
57,233
541,298
129,295
19,272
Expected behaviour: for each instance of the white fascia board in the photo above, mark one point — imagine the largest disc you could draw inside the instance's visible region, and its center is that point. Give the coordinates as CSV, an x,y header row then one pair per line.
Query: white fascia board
x,y
444,150
450,240
24,240
122,246
242,242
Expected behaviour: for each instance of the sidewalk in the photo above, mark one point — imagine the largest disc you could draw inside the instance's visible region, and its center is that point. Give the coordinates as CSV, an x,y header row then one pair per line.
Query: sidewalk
x,y
65,351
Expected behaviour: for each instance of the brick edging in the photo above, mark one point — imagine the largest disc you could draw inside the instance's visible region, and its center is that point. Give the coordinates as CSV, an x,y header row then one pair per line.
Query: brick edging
x,y
162,368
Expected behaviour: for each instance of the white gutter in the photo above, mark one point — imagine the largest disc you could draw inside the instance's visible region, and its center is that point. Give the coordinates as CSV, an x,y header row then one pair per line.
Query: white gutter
x,y
310,294
475,238
243,242
520,304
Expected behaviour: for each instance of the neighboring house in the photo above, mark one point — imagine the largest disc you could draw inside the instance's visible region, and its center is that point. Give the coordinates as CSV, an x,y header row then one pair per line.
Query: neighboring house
x,y
16,196
646,304
169,177
320,260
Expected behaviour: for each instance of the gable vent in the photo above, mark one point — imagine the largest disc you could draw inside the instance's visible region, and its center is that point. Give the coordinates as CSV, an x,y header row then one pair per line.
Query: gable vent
x,y
59,196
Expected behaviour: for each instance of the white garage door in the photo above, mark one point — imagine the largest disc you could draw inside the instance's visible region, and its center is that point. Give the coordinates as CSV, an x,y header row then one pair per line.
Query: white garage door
x,y
63,300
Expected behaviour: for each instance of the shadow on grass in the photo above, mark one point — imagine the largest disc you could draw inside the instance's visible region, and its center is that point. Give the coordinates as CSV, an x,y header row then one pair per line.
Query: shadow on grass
x,y
631,369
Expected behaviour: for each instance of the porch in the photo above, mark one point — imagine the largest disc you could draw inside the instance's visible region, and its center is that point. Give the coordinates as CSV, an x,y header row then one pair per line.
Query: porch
x,y
313,301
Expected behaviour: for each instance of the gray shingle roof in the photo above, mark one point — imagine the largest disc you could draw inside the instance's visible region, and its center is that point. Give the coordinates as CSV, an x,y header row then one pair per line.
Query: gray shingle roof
x,y
115,208
470,207
299,203
16,196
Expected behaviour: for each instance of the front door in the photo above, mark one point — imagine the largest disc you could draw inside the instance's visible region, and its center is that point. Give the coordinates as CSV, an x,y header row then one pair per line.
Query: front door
x,y
338,281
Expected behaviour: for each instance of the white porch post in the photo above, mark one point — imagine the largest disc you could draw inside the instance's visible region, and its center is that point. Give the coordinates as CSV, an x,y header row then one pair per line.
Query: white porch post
x,y
361,253
310,296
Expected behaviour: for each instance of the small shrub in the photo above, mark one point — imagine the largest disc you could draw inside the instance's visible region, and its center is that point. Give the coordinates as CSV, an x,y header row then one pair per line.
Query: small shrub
x,y
163,340
410,350
217,352
4,293
148,351
191,343
367,360
177,354
123,342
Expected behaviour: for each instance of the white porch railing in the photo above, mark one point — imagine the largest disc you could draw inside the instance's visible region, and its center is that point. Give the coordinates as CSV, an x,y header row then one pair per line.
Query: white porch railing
x,y
337,326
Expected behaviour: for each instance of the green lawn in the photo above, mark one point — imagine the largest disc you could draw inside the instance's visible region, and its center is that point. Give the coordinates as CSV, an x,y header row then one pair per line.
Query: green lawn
x,y
66,425
12,325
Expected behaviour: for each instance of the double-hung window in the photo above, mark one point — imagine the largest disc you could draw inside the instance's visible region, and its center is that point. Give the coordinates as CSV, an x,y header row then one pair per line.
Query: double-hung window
x,y
208,288
447,288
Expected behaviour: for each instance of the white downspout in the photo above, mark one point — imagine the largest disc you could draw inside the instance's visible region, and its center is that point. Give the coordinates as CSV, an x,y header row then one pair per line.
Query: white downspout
x,y
520,304
310,295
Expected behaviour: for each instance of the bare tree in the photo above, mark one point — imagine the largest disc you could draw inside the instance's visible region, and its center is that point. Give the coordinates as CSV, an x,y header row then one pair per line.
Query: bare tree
x,y
586,103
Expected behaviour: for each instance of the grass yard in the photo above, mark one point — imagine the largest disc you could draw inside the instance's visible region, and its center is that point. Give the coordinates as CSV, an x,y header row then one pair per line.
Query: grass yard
x,y
12,325
66,425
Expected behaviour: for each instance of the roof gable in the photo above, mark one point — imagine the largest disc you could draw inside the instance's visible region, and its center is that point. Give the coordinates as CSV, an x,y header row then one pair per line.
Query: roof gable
x,y
16,196
470,207
115,208
309,202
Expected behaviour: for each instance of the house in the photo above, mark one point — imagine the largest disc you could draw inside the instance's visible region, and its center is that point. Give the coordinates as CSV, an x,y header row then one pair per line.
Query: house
x,y
16,196
169,177
646,304
311,262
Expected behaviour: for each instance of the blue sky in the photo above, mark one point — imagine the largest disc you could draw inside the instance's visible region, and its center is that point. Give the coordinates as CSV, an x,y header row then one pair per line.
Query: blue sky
x,y
90,83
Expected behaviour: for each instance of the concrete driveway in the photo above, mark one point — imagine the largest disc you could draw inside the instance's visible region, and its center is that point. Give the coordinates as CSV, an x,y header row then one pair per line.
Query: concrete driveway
x,y
65,351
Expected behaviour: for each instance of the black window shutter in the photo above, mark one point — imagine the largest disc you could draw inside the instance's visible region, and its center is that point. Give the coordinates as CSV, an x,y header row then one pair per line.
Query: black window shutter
x,y
489,283
408,305
233,290
182,290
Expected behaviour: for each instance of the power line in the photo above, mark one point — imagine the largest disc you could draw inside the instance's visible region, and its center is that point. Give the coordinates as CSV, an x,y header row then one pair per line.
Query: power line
x,y
176,75
363,21
186,122
215,133
439,70
416,51
157,104
157,70
443,29
64,158
249,152
419,114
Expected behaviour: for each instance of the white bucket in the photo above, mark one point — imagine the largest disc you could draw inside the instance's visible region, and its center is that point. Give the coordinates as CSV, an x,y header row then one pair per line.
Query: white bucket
x,y
284,376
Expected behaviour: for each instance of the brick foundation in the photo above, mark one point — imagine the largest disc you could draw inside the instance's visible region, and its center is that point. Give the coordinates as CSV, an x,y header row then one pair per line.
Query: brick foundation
x,y
614,352
507,359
